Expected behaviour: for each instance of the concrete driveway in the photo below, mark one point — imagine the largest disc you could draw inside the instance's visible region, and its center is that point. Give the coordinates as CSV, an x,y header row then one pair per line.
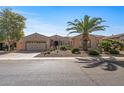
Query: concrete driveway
x,y
55,72
24,54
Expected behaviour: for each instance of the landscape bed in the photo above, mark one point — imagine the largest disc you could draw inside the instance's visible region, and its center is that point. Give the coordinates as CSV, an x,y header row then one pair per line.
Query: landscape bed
x,y
60,53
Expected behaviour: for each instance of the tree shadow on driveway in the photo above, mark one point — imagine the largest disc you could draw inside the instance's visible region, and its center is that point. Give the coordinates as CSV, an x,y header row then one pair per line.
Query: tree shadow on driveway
x,y
109,63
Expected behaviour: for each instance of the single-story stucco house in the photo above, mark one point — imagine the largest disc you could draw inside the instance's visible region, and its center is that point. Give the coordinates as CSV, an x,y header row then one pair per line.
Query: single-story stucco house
x,y
40,42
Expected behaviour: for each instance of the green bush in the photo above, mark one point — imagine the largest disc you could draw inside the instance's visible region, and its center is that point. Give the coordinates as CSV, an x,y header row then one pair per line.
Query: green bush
x,y
113,51
93,52
68,47
110,45
75,51
51,49
63,48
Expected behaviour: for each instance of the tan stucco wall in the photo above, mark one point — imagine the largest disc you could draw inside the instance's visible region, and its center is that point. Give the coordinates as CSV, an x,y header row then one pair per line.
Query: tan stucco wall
x,y
77,41
65,40
21,45
74,42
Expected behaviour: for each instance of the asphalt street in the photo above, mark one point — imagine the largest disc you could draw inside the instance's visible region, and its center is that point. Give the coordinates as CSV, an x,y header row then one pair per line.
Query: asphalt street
x,y
55,72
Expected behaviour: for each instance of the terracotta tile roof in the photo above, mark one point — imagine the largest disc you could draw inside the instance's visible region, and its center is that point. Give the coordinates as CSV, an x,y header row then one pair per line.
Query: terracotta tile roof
x,y
35,34
101,36
114,36
56,36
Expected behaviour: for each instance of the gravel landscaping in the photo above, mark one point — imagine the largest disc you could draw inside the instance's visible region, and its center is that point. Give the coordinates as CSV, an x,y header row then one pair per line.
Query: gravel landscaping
x,y
59,53
68,53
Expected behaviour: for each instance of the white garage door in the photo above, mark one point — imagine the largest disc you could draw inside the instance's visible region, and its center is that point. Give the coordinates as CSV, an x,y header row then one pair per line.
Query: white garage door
x,y
34,46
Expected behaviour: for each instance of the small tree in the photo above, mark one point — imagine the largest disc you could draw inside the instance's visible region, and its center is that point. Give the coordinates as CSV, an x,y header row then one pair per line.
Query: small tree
x,y
11,26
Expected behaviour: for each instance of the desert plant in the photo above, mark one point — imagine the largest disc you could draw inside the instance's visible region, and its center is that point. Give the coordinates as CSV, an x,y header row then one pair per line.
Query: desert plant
x,y
113,51
105,44
68,47
75,51
63,48
51,49
93,52
110,45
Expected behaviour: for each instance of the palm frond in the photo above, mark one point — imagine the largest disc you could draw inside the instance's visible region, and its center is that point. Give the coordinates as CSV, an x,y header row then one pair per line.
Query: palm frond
x,y
71,28
98,28
71,24
86,25
72,32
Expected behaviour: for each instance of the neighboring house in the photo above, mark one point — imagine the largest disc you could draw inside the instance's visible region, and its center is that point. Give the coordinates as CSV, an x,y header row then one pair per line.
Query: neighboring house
x,y
3,45
40,42
92,43
118,37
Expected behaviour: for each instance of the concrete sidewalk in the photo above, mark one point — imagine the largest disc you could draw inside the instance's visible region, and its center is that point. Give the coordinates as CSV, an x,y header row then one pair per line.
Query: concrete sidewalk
x,y
50,58
35,58
18,55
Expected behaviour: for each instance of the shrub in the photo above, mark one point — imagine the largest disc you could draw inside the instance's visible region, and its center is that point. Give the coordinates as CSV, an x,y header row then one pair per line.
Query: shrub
x,y
75,51
68,47
63,48
93,52
113,51
110,45
51,49
48,52
105,44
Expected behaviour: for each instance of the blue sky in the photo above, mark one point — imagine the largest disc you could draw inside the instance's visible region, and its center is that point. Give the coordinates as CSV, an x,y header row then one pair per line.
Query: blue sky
x,y
50,20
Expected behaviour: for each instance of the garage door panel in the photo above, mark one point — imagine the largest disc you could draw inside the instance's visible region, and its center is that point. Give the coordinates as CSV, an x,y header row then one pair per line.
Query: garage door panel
x,y
36,46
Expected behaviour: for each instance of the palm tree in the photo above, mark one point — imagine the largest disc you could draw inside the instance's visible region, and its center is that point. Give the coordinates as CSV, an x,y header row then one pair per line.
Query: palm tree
x,y
85,26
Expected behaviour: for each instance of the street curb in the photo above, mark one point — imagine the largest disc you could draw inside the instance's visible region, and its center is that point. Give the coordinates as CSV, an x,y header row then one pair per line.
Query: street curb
x,y
49,58
54,58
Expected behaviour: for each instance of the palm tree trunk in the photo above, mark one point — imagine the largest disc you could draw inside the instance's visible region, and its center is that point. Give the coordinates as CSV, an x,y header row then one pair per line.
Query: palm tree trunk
x,y
85,48
85,41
